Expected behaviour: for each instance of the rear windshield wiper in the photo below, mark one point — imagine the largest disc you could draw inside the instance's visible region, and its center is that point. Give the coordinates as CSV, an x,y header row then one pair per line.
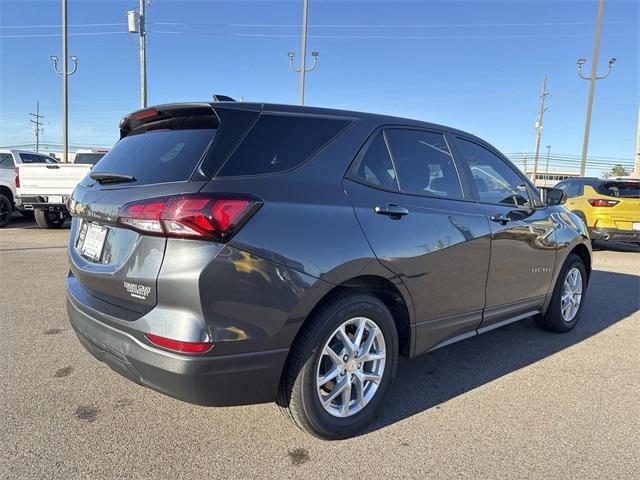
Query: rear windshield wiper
x,y
103,177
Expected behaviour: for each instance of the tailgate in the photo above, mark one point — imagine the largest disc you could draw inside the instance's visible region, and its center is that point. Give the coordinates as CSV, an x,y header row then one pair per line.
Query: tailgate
x,y
626,214
48,179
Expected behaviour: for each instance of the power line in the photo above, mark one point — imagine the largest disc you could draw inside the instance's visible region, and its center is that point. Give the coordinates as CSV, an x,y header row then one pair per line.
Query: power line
x,y
37,124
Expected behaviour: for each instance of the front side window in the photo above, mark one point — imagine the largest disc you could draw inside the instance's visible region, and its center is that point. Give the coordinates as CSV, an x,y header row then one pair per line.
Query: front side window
x,y
374,166
495,181
424,163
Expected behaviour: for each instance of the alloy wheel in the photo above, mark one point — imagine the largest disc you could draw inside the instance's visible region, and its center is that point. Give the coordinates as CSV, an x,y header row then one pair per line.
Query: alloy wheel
x,y
571,294
351,367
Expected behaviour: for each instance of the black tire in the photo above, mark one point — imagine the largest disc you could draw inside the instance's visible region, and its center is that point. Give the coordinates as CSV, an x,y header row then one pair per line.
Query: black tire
x,y
48,219
298,398
6,209
553,319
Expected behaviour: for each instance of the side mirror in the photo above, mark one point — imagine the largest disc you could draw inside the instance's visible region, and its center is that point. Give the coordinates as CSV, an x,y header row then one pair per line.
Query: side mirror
x,y
555,196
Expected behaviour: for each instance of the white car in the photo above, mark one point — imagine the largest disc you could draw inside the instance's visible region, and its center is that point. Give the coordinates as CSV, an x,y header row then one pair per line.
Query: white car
x,y
9,161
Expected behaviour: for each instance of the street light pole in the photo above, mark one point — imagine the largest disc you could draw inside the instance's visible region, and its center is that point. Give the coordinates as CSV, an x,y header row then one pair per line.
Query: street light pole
x,y
65,74
546,170
303,61
592,84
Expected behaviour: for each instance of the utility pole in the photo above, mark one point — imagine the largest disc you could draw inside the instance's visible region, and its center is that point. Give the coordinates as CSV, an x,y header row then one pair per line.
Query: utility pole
x,y
37,124
592,84
303,53
136,24
65,74
636,169
538,127
546,170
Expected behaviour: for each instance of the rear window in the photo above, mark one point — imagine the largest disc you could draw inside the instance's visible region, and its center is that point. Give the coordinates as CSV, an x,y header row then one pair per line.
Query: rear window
x,y
281,142
88,158
158,156
620,189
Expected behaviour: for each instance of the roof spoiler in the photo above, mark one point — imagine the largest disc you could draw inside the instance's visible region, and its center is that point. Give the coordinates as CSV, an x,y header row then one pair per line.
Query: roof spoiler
x,y
222,98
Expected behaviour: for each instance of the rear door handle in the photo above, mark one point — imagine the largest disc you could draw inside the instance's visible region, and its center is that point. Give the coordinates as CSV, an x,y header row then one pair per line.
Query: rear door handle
x,y
500,218
393,211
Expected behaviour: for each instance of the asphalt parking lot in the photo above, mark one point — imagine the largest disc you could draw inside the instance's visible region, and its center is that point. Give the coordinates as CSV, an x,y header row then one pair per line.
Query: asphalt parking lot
x,y
514,403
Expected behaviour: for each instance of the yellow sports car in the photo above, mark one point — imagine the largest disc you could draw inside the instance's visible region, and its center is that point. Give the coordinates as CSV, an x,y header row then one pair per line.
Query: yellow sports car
x,y
609,208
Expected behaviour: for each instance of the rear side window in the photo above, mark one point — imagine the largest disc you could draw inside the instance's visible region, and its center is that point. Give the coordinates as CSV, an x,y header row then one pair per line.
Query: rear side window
x,y
375,167
6,161
88,158
281,142
620,189
424,163
32,158
574,190
157,156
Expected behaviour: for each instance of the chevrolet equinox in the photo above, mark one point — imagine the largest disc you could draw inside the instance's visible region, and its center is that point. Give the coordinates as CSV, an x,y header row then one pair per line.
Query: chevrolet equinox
x,y
234,253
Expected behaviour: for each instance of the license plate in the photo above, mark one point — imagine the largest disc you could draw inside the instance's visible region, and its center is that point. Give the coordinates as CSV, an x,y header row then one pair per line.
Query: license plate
x,y
54,199
93,243
635,225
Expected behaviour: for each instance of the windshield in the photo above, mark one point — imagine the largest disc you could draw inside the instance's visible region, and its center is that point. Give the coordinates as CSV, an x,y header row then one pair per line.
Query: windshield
x,y
88,158
620,189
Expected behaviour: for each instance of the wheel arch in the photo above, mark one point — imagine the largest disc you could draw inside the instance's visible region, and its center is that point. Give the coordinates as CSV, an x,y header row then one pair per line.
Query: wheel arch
x,y
6,191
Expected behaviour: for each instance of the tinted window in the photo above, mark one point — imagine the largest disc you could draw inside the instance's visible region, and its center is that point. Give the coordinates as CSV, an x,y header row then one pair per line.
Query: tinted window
x,y
32,158
157,156
6,161
278,143
620,189
88,158
495,181
424,163
375,167
574,190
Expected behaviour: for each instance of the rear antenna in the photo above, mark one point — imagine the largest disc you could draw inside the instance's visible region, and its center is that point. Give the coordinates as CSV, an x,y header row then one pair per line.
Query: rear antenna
x,y
222,98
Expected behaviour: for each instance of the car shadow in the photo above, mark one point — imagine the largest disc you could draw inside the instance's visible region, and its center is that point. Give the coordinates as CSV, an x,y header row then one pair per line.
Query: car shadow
x,y
615,246
431,379
19,221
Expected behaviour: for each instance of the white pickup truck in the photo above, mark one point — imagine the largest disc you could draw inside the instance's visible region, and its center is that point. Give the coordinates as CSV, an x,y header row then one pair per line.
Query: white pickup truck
x,y
45,188
9,161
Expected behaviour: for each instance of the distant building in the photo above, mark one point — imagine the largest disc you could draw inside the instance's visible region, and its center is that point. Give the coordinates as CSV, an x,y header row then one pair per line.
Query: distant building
x,y
551,178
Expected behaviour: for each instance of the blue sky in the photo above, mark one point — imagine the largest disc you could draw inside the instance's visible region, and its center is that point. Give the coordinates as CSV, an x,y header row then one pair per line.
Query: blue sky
x,y
475,65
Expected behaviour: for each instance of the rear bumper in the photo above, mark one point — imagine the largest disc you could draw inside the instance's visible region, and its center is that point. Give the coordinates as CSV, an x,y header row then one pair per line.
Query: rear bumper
x,y
236,379
40,201
614,234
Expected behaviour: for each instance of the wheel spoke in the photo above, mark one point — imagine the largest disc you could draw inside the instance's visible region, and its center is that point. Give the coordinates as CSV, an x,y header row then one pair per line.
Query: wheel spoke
x,y
371,377
337,390
359,386
330,375
372,357
335,358
344,338
346,398
369,341
362,323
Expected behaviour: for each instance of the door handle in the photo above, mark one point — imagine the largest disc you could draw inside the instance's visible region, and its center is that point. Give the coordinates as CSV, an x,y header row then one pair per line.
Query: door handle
x,y
393,211
500,218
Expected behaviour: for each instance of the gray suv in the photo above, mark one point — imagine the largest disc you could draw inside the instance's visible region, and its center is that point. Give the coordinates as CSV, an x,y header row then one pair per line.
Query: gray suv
x,y
234,253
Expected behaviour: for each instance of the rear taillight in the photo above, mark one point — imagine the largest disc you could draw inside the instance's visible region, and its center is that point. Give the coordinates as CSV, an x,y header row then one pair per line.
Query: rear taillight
x,y
599,202
209,217
17,177
179,346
